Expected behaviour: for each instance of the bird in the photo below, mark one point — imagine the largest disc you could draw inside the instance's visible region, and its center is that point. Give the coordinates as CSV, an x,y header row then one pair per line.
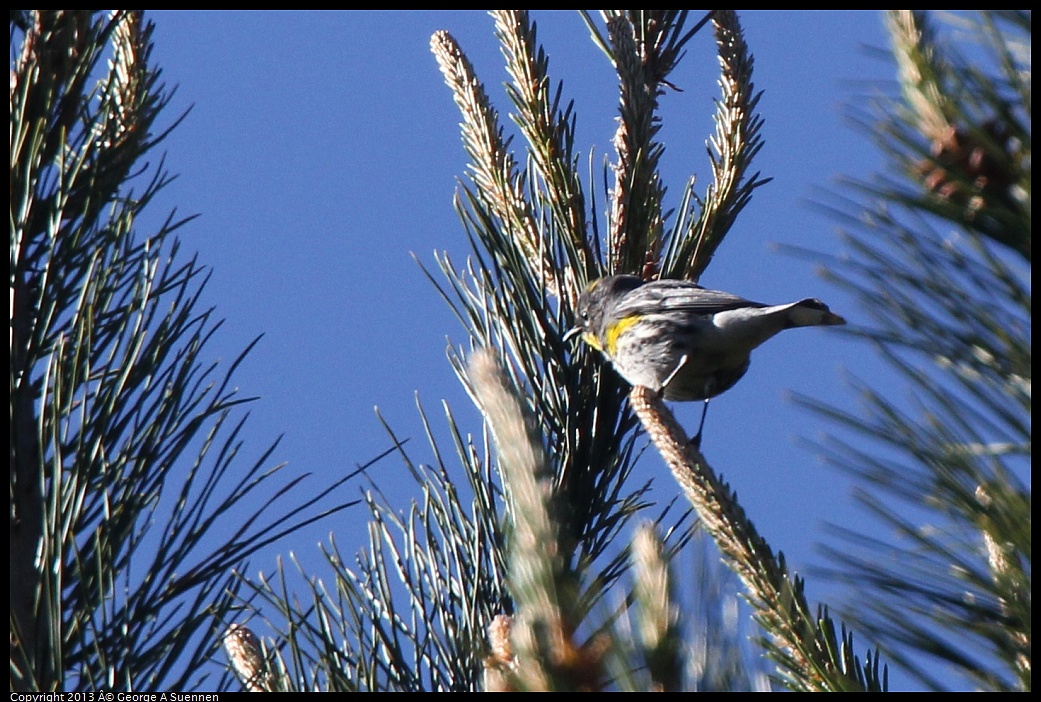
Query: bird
x,y
681,339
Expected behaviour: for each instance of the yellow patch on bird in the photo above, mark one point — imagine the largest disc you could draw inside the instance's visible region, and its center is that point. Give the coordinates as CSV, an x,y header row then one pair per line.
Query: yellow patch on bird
x,y
615,330
591,339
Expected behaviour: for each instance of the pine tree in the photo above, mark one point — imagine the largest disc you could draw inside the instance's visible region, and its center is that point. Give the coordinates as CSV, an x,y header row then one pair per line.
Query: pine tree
x,y
512,580
510,586
124,437
940,258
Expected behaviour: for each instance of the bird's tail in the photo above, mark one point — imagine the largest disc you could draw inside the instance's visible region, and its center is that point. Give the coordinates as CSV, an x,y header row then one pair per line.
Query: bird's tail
x,y
812,313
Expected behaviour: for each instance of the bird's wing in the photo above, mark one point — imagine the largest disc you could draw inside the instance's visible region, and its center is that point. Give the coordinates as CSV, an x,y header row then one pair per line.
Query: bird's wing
x,y
679,296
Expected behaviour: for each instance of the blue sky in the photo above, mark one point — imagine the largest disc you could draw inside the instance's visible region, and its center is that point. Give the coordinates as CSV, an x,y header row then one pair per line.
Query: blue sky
x,y
322,151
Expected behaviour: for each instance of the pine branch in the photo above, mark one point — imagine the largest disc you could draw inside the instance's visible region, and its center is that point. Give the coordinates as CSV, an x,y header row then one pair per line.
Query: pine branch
x,y
696,236
500,302
544,585
938,244
549,129
122,435
805,646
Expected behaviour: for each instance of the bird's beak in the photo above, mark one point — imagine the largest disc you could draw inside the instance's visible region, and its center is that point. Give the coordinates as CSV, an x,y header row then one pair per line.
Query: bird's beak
x,y
572,333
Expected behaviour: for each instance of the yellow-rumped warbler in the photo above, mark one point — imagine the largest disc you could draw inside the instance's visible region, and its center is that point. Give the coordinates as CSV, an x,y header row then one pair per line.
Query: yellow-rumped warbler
x,y
677,337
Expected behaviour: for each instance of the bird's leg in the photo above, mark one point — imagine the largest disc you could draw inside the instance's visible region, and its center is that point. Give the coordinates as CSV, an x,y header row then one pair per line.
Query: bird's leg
x,y
696,441
683,362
